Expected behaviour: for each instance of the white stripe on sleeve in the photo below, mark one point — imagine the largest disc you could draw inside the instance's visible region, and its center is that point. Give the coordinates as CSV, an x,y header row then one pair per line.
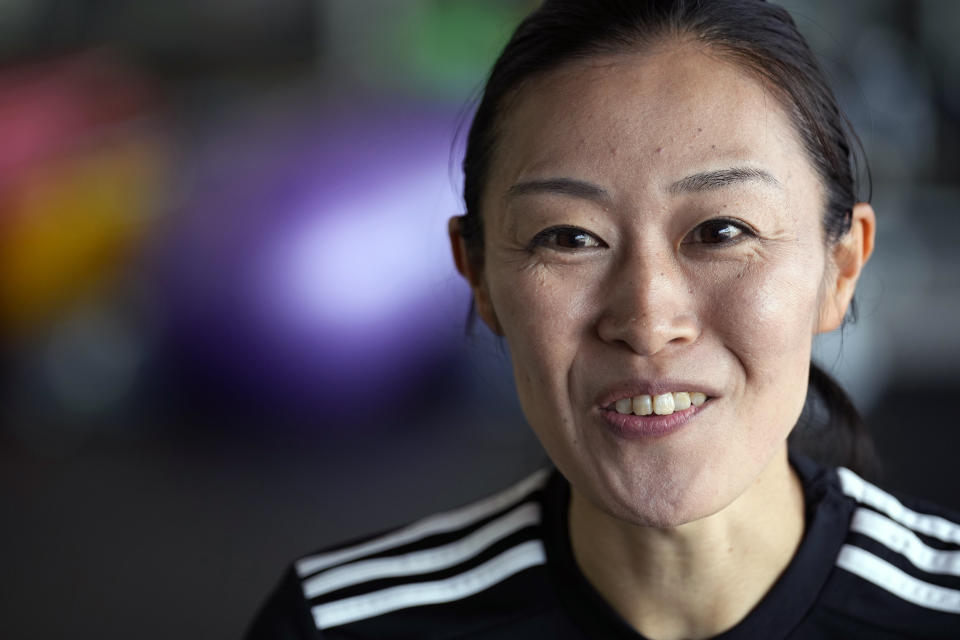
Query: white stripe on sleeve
x,y
888,577
866,493
900,539
440,523
508,563
427,560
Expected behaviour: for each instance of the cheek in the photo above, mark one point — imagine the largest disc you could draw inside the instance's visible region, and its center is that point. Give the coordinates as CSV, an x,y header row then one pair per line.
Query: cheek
x,y
537,304
543,317
766,319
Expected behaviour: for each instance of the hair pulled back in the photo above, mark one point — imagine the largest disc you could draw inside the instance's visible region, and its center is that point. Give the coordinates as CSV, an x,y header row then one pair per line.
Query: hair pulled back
x,y
759,37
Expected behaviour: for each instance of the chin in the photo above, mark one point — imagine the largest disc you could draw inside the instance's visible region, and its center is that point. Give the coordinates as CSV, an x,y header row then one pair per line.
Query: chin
x,y
664,513
658,501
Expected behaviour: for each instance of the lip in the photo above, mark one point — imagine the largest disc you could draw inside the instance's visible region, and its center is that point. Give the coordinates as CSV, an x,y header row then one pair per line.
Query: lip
x,y
634,427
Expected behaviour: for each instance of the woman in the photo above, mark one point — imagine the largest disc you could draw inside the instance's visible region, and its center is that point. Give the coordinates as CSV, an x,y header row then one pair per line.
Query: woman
x,y
661,214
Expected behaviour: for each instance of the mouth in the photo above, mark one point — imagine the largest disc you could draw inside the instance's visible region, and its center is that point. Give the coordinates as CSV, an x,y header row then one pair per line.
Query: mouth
x,y
653,415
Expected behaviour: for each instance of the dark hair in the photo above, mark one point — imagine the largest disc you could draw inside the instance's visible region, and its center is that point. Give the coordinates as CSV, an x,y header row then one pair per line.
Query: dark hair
x,y
757,36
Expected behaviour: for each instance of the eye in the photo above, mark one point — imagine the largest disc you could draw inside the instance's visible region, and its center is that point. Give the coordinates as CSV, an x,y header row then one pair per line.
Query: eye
x,y
566,238
718,231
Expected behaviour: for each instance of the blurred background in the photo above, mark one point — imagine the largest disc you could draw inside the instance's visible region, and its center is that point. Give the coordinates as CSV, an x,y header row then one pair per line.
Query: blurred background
x,y
230,330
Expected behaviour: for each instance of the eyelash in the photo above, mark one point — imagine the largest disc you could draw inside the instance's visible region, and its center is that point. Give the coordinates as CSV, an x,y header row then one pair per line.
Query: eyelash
x,y
744,231
548,237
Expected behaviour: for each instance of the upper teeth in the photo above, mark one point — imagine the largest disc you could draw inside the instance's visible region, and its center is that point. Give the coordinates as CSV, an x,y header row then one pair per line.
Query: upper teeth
x,y
662,404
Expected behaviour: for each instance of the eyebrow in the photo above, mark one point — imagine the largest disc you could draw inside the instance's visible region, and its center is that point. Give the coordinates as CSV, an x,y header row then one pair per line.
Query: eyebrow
x,y
703,181
709,180
560,186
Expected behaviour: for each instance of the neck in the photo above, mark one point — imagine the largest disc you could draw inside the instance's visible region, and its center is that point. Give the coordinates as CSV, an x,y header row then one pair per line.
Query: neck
x,y
698,579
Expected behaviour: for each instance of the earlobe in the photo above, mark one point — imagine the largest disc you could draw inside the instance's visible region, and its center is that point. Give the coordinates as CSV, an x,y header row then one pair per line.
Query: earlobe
x,y
473,275
849,255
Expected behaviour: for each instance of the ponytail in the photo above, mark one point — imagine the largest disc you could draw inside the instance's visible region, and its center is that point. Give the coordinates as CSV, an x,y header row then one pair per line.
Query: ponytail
x,y
830,429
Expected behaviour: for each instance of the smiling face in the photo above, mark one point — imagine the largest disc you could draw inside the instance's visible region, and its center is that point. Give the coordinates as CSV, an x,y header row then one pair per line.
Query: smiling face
x,y
652,225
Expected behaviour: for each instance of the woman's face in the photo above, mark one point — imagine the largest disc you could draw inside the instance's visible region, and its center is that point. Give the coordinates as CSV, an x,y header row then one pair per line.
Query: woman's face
x,y
652,226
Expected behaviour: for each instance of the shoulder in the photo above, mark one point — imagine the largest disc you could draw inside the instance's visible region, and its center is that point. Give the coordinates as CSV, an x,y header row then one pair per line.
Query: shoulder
x,y
899,565
445,575
283,616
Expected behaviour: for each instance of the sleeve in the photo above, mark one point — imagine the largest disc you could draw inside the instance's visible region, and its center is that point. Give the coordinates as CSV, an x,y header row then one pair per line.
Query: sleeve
x,y
285,615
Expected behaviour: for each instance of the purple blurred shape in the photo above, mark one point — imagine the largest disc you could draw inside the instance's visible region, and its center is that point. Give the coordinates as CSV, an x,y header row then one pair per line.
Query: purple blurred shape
x,y
311,262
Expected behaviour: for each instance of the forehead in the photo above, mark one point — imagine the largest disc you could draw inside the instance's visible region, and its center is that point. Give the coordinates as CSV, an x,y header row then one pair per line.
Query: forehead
x,y
656,116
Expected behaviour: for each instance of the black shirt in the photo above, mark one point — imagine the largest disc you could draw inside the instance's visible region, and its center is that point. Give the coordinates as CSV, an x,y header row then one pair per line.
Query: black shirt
x,y
869,566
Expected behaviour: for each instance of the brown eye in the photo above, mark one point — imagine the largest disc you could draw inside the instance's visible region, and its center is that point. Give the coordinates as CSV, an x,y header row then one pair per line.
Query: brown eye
x,y
720,231
567,238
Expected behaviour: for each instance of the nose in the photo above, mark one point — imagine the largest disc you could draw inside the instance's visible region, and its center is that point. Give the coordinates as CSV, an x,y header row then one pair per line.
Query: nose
x,y
649,305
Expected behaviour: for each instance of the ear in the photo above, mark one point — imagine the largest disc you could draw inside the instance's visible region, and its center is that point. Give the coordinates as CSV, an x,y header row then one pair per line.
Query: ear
x,y
473,273
849,254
